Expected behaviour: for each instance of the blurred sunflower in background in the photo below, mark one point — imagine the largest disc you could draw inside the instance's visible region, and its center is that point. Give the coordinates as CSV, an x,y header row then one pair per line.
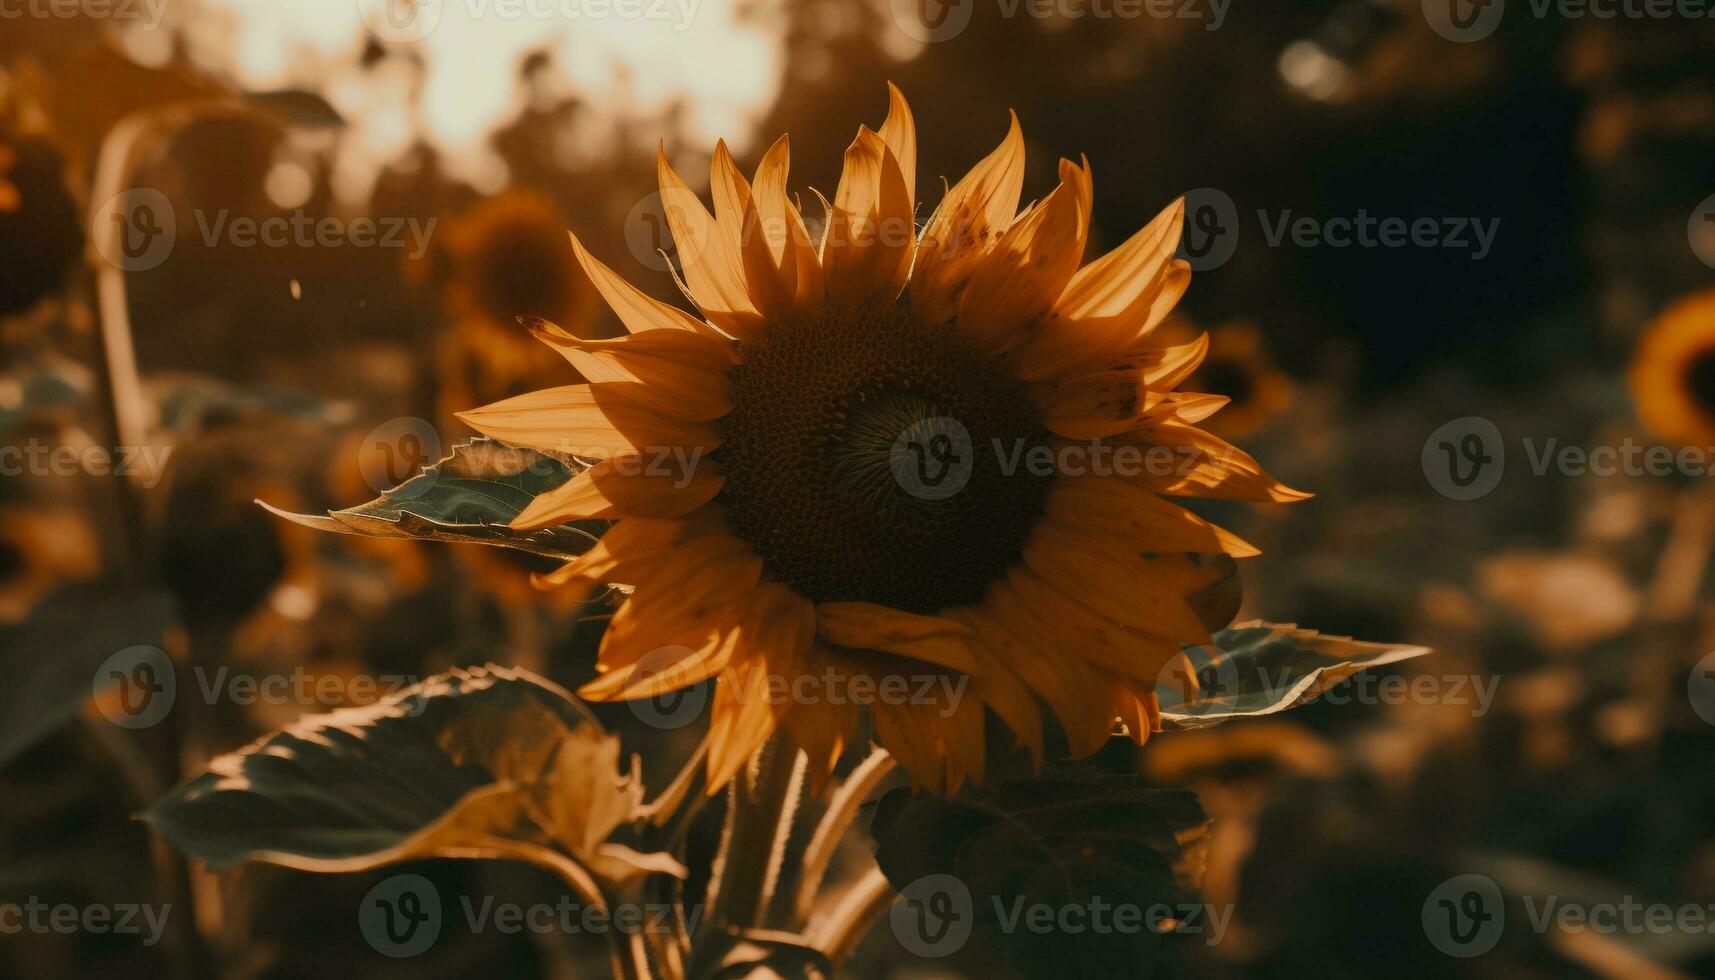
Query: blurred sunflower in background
x,y
507,256
1673,372
10,198
779,469
1240,368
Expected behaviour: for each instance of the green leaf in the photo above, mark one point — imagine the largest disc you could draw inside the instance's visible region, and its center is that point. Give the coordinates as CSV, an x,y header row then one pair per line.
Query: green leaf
x,y
472,496
1067,840
486,763
52,661
1261,668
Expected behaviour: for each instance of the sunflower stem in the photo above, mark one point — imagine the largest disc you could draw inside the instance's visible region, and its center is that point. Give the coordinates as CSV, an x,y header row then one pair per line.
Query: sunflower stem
x,y
764,802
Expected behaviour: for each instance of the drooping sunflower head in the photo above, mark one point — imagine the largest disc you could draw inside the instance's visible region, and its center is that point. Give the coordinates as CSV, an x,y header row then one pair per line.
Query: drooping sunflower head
x,y
911,475
1673,372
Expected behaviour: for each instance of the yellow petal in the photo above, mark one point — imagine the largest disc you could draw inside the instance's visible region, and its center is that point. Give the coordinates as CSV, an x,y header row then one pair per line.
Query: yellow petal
x,y
652,358
590,421
1018,281
787,267
710,258
624,552
899,132
1136,518
626,486
1076,692
867,251
1111,303
970,220
637,311
1115,585
867,626
1185,461
773,640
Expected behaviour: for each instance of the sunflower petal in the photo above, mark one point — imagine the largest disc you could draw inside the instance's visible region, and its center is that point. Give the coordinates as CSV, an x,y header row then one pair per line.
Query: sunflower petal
x,y
591,421
867,250
709,257
1111,303
867,626
1199,464
1136,518
625,486
636,310
1117,586
1017,282
970,220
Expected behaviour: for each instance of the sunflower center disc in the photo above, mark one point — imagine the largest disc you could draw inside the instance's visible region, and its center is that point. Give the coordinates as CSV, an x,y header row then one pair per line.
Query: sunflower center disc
x,y
1700,381
870,460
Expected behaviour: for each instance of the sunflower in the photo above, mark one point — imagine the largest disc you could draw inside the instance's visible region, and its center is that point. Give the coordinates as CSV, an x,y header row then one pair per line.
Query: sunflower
x,y
1239,368
1673,372
779,467
10,199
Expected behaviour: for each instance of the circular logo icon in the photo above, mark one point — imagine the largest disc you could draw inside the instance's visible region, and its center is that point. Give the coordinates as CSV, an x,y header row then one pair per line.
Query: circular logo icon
x,y
673,708
931,21
1464,459
135,229
400,21
933,916
1200,683
932,459
1211,232
1701,231
397,450
649,236
1700,688
401,916
135,687
1464,20
1464,916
